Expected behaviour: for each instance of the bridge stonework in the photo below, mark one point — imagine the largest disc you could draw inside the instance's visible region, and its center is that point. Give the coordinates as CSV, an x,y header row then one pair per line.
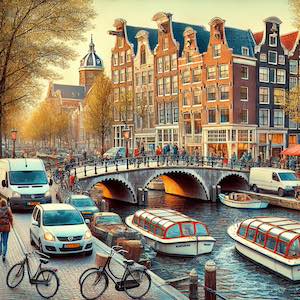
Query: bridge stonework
x,y
189,182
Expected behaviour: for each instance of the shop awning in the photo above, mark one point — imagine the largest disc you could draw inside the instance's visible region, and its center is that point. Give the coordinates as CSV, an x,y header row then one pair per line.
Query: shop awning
x,y
292,151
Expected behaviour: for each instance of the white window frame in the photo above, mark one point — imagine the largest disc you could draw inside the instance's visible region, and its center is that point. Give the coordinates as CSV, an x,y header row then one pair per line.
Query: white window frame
x,y
270,62
260,57
293,78
290,126
275,44
160,63
215,116
219,50
293,60
220,91
173,58
265,109
261,68
279,59
284,76
245,78
275,75
215,77
268,89
122,71
224,108
247,116
274,95
219,71
245,49
122,55
245,100
283,121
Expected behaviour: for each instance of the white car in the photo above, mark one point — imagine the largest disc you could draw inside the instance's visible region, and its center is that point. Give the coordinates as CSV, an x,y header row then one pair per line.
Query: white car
x,y
60,229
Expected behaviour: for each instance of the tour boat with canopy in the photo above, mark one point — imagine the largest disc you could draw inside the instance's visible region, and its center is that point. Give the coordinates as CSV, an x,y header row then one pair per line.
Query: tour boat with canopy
x,y
273,242
172,233
241,200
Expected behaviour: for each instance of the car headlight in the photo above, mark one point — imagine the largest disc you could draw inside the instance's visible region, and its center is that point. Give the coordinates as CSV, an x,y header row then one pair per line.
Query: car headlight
x,y
16,194
87,235
49,237
47,194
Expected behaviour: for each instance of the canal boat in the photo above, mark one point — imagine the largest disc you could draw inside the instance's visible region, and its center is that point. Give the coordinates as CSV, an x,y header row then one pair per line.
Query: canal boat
x,y
273,242
172,233
241,200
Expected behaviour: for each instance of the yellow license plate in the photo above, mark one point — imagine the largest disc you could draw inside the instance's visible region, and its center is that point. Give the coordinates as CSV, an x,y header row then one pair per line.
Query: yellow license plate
x,y
33,203
72,246
85,212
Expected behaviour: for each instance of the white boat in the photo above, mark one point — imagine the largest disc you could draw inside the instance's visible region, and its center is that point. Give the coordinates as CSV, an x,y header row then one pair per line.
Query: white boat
x,y
270,241
172,233
240,200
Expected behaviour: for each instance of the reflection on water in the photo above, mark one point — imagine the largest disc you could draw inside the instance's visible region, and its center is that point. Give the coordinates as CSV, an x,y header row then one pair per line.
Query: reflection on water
x,y
237,277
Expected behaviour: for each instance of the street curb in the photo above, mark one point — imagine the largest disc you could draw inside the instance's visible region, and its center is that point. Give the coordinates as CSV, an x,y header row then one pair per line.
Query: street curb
x,y
159,282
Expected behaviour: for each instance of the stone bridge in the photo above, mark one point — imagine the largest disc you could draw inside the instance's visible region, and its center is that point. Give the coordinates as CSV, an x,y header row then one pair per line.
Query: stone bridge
x,y
198,182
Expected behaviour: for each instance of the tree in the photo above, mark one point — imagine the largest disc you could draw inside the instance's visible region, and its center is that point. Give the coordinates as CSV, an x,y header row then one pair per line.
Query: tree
x,y
295,6
98,107
291,104
141,109
124,105
35,38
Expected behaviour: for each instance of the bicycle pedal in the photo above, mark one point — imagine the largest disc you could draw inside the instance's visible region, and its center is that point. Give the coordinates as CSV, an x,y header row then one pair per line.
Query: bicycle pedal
x,y
119,286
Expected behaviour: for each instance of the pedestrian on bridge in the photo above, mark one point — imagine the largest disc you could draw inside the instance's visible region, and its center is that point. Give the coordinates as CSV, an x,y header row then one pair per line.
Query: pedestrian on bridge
x,y
6,221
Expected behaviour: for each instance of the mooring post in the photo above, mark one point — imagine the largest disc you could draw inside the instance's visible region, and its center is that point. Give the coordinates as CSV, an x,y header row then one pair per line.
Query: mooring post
x,y
210,282
127,164
193,287
84,170
105,166
95,168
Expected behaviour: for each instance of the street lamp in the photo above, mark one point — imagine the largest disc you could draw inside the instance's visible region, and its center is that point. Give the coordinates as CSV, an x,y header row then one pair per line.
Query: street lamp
x,y
126,136
14,137
270,136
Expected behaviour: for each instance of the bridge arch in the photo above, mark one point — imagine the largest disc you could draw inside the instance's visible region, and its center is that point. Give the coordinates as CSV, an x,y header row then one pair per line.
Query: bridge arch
x,y
185,183
233,181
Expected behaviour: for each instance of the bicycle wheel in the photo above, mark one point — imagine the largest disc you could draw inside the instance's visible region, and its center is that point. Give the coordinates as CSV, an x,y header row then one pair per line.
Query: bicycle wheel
x,y
48,285
85,273
94,285
15,275
137,283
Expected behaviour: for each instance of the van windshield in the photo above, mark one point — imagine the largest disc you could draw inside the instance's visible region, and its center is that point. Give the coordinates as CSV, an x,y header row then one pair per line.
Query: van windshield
x,y
287,176
27,177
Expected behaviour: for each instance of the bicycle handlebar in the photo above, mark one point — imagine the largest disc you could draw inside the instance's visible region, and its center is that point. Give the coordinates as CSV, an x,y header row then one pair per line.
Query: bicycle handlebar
x,y
41,254
122,251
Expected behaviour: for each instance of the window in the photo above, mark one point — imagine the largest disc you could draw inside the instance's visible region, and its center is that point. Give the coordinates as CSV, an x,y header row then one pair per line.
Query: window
x,y
197,97
165,43
244,116
224,91
211,93
293,82
293,66
167,81
196,75
278,118
294,250
251,234
167,63
150,98
244,93
271,243
138,99
292,124
128,56
212,116
242,231
223,71
279,96
150,76
263,57
201,230
281,59
260,238
122,58
161,113
272,57
244,72
116,76
115,59
263,117
120,42
263,74
224,115
187,123
185,100
185,76
174,85
245,51
160,87
122,75
129,74
144,77
160,65
281,247
211,73
263,95
273,40
143,55
197,123
281,76
175,115
217,50
272,75
187,229
174,61
173,231
168,108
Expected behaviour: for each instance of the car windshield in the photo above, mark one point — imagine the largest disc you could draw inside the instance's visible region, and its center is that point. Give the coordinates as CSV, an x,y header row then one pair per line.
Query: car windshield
x,y
83,202
62,217
287,176
109,220
27,177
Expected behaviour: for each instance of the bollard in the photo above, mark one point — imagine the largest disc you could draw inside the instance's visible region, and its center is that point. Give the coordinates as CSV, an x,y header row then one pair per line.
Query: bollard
x,y
95,168
75,171
105,166
158,160
127,164
146,197
117,167
213,193
210,280
84,170
193,287
148,161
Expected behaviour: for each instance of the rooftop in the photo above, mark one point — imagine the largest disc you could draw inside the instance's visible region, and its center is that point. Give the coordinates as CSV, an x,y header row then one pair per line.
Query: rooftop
x,y
289,40
76,92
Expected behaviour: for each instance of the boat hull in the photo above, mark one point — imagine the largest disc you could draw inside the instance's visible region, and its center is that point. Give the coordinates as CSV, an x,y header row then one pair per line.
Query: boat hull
x,y
247,204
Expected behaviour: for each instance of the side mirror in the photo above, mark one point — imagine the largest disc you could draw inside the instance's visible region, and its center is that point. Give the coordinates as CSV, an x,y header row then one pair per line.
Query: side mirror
x,y
4,183
50,181
87,221
35,223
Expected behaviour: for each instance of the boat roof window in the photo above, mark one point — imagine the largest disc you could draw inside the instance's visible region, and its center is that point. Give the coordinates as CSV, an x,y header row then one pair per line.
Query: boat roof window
x,y
173,231
201,229
187,229
294,250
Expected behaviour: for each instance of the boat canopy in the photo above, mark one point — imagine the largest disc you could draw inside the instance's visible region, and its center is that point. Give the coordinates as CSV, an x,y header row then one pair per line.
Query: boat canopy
x,y
276,234
167,223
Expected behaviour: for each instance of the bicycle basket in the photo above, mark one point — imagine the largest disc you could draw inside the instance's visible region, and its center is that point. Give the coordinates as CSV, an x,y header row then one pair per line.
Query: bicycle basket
x,y
101,259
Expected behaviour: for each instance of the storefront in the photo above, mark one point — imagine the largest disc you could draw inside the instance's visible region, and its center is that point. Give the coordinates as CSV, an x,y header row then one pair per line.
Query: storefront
x,y
167,135
147,138
119,138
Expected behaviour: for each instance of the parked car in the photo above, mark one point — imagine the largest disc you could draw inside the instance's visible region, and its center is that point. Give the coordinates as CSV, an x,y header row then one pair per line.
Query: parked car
x,y
60,229
115,153
84,204
271,179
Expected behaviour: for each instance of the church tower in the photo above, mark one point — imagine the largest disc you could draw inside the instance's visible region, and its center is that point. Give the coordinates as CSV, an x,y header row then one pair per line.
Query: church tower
x,y
91,66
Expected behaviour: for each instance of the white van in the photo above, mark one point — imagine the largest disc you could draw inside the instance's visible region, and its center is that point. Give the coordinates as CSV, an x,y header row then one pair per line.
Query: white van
x,y
271,179
24,182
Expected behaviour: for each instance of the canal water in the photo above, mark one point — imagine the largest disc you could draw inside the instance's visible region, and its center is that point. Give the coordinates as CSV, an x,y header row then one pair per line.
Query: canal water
x,y
237,277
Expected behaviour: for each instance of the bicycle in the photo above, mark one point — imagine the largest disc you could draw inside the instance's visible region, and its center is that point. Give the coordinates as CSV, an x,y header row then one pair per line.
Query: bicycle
x,y
44,279
135,280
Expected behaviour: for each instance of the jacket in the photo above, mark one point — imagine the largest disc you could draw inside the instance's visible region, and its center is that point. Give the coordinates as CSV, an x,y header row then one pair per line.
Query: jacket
x,y
6,219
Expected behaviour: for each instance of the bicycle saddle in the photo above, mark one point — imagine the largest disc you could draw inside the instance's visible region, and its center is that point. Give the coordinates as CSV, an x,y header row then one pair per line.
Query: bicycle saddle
x,y
44,260
129,262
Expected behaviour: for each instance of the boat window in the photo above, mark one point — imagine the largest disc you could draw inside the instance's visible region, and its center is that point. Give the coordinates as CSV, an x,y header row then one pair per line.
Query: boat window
x,y
187,229
173,231
242,231
158,231
295,249
281,248
152,228
260,238
251,234
135,220
141,223
271,243
201,230
146,225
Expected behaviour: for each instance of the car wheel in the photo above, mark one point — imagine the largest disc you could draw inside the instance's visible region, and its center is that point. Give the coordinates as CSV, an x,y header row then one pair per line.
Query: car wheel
x,y
89,253
32,243
280,192
254,188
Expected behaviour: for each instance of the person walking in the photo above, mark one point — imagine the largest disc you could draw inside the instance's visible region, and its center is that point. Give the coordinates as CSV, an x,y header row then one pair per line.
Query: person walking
x,y
6,221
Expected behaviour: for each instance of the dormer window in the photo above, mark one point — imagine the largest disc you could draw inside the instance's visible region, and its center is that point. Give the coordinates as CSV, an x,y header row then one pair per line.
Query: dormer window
x,y
143,55
273,40
120,42
217,50
165,43
245,51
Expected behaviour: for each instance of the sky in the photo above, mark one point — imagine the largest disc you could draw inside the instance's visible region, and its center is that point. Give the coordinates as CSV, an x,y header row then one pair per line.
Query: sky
x,y
245,14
